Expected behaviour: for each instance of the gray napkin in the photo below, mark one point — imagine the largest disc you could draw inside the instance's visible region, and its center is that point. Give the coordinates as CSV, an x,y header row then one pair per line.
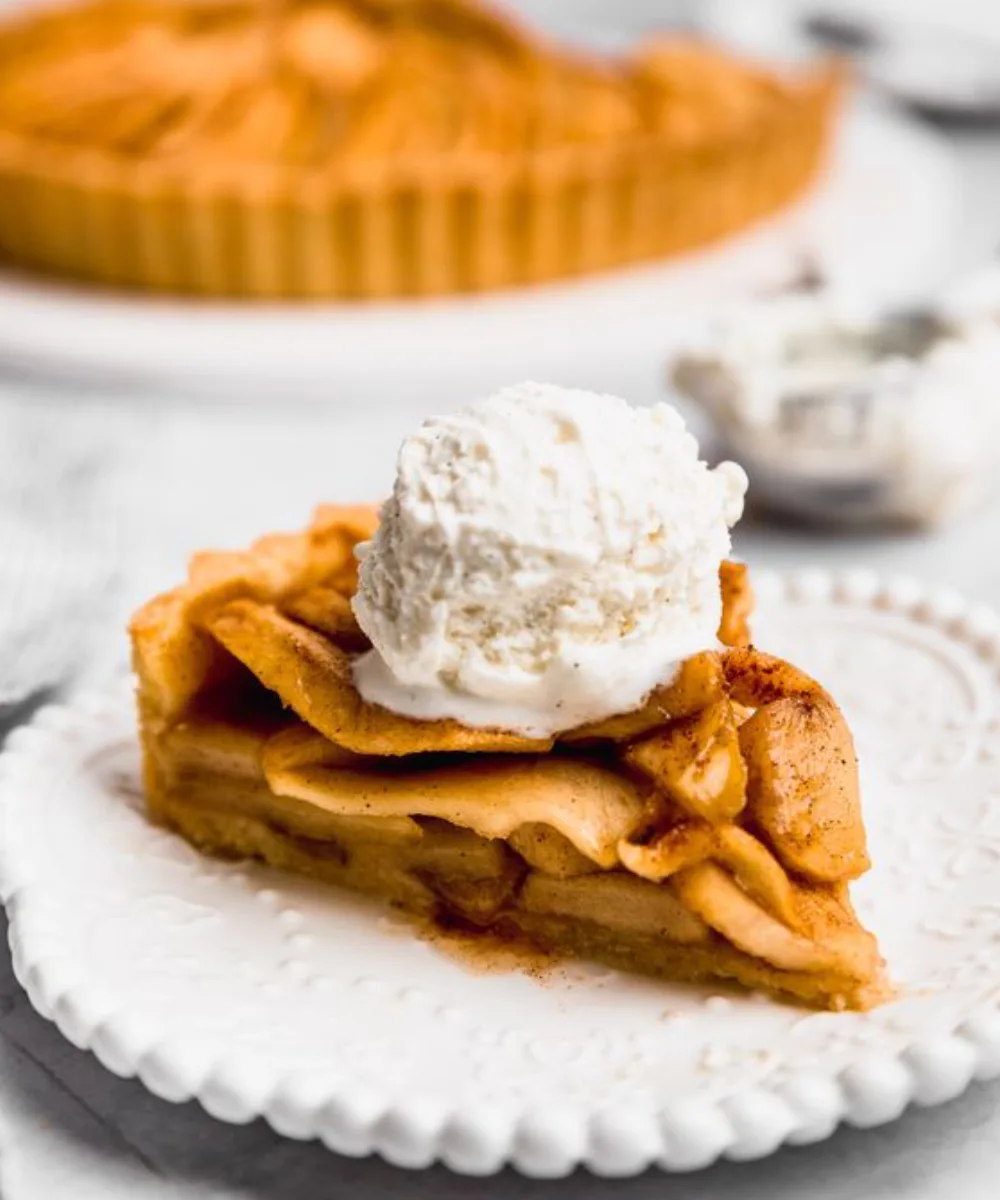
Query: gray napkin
x,y
59,542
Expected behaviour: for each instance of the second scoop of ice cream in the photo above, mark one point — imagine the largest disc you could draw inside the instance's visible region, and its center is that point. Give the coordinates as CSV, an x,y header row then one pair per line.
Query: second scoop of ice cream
x,y
547,557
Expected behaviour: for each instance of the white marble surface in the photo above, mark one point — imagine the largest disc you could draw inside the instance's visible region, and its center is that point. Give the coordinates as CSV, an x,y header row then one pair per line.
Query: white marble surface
x,y
71,1131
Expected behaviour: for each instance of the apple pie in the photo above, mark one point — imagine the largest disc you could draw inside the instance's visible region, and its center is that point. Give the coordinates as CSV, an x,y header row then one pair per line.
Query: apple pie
x,y
367,149
709,835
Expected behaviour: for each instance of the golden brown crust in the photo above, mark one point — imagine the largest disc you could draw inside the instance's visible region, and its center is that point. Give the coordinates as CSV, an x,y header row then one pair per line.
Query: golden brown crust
x,y
173,655
359,148
328,610
313,677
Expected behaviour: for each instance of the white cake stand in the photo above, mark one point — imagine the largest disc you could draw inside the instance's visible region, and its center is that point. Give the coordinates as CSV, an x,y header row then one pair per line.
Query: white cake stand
x,y
880,221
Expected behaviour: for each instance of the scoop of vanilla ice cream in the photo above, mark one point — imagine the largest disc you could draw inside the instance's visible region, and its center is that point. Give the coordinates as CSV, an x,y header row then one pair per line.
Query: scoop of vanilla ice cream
x,y
547,557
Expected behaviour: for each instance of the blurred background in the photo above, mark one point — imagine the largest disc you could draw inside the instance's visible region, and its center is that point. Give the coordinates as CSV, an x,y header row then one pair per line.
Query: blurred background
x,y
137,424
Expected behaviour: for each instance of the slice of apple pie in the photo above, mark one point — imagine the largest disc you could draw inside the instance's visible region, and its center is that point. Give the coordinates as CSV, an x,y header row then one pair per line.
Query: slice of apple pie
x,y
709,834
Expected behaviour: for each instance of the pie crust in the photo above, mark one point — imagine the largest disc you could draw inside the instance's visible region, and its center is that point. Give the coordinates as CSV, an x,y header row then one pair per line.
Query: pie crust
x,y
375,148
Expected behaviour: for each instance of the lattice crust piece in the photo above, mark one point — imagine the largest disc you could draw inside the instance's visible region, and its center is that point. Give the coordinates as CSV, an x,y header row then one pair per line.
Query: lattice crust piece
x,y
710,835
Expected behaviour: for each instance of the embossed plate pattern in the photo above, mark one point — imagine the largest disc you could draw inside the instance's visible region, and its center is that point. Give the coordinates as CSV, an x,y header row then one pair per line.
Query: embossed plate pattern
x,y
265,995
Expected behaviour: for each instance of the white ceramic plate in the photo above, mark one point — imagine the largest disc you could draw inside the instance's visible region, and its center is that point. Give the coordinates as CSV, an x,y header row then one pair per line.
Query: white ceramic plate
x,y
263,995
881,222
